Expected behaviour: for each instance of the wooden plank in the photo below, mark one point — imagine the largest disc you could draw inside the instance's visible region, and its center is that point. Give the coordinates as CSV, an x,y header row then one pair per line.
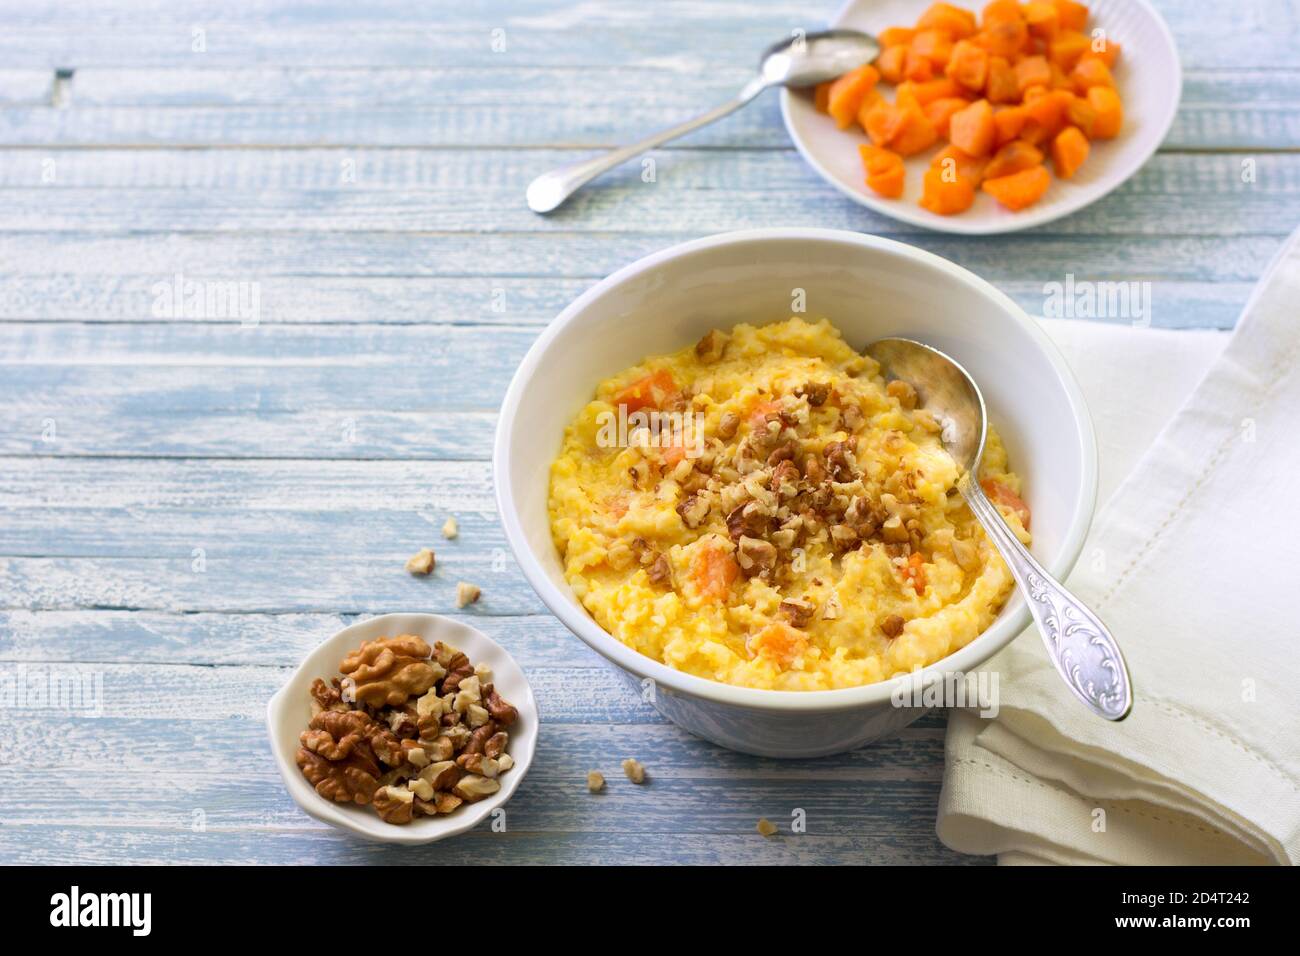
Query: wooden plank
x,y
1215,194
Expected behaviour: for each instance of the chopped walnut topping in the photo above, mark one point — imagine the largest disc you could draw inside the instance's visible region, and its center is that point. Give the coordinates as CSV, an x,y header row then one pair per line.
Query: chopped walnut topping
x,y
841,462
728,424
755,556
815,392
660,572
635,770
394,804
595,781
694,510
965,554
797,613
766,827
450,529
421,562
894,531
467,593
712,346
892,625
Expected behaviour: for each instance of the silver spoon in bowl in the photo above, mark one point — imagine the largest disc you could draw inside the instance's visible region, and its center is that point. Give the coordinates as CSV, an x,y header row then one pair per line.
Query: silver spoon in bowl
x,y
1082,649
801,61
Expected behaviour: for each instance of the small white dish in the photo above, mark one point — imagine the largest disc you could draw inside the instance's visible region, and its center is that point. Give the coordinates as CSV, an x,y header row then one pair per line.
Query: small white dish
x,y
1148,76
290,710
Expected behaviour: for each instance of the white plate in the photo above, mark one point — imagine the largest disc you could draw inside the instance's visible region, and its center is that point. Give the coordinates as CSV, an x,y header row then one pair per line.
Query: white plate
x,y
1147,75
290,710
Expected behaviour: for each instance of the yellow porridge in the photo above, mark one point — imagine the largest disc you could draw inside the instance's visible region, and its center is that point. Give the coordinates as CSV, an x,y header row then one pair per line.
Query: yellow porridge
x,y
762,509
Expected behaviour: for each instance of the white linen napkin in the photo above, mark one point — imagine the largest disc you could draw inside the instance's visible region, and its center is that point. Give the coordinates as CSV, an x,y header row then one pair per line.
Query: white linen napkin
x,y
1194,563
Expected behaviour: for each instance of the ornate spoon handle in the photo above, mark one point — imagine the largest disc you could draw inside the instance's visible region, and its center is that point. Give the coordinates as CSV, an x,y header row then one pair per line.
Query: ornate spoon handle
x,y
1081,647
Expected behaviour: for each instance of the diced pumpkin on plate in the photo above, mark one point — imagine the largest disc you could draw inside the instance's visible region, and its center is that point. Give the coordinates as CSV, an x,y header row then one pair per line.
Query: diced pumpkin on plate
x,y
1069,150
822,97
1019,190
890,63
886,173
954,161
1042,18
958,22
1090,72
1001,85
1067,48
895,36
934,45
973,130
1110,112
1009,122
847,93
1014,157
914,134
968,65
940,113
917,66
1033,71
946,194
1073,16
869,102
941,88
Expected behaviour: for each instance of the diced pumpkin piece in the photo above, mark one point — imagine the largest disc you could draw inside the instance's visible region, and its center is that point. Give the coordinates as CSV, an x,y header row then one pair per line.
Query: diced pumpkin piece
x,y
940,112
649,391
885,170
1060,79
946,194
934,45
1033,71
713,571
1073,16
1042,18
1103,48
1019,190
1090,72
1009,122
1004,30
969,65
1048,113
905,98
868,103
881,122
914,134
1069,150
779,643
972,129
1014,157
890,63
895,36
1001,85
847,93
1110,112
917,66
1000,10
944,16
942,88
822,97
1067,48
1081,114
950,159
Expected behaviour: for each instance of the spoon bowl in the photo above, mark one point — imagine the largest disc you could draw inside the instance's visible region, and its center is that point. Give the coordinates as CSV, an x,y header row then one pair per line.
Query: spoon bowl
x,y
1080,646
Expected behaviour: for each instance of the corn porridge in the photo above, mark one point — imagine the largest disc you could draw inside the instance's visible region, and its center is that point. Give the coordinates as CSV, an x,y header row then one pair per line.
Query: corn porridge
x,y
762,509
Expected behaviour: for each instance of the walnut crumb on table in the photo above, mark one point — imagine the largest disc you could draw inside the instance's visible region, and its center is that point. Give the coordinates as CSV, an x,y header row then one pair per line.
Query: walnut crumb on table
x,y
595,781
421,562
450,529
635,770
466,593
766,827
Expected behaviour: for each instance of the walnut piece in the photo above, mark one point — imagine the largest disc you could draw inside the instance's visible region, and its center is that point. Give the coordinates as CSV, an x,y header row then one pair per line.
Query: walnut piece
x,y
467,593
421,562
635,770
394,804
390,670
595,781
450,529
766,827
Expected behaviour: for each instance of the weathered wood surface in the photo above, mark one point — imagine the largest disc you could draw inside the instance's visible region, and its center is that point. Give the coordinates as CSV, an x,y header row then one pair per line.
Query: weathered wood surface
x,y
187,506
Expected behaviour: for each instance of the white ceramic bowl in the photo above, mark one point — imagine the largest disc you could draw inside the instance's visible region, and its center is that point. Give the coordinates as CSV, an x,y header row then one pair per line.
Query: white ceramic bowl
x,y
290,710
1147,74
867,286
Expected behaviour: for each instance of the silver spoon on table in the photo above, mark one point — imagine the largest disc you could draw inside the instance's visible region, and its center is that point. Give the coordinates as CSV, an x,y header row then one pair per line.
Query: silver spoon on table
x,y
801,61
1083,650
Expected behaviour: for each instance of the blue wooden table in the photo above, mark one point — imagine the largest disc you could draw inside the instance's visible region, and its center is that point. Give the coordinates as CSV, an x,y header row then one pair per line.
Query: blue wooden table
x,y
191,498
